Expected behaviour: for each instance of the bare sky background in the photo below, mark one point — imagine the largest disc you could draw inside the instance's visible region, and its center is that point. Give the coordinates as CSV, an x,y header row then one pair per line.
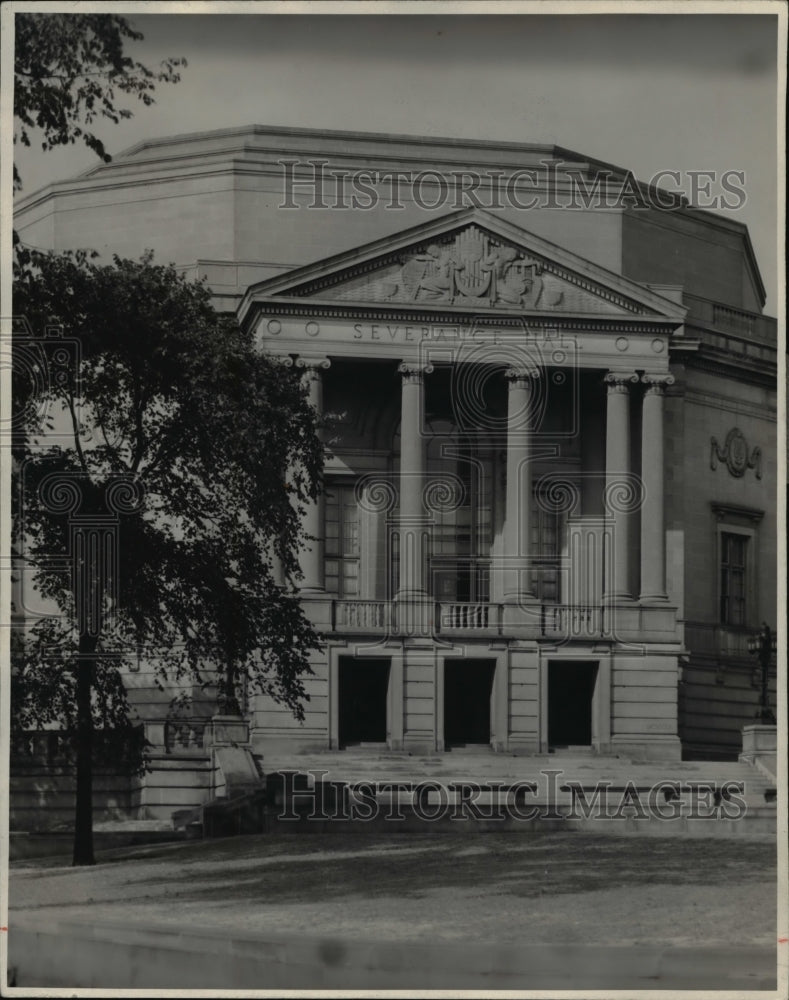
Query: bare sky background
x,y
646,92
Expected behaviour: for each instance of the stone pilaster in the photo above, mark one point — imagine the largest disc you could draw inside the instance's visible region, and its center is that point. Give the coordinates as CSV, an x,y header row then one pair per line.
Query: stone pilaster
x,y
653,541
618,481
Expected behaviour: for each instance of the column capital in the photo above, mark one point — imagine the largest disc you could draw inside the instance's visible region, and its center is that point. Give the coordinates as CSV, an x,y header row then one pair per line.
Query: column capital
x,y
312,364
656,383
522,373
414,371
620,381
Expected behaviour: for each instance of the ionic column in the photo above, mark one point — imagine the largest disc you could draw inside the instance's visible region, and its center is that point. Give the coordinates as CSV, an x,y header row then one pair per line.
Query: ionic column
x,y
618,481
653,543
311,556
517,515
413,521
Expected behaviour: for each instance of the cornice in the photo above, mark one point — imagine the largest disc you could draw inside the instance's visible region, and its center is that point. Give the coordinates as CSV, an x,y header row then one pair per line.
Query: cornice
x,y
174,170
393,138
732,404
581,322
723,510
740,368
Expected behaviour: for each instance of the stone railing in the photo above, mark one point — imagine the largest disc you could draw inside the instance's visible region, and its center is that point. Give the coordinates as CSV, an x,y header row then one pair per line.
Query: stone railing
x,y
573,621
748,326
362,616
57,747
185,735
628,623
463,616
717,640
734,319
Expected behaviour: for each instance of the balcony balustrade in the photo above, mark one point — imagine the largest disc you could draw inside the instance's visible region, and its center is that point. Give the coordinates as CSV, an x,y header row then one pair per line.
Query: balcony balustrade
x,y
705,639
362,616
462,616
185,736
574,621
550,622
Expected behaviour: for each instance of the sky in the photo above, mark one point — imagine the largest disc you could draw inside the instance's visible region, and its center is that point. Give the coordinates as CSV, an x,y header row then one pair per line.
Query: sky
x,y
646,92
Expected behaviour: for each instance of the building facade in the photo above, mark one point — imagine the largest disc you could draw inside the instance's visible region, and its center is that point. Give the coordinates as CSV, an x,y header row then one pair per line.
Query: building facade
x,y
549,394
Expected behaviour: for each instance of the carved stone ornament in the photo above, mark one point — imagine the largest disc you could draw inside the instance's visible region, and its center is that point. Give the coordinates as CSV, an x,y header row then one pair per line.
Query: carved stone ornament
x,y
655,385
620,381
522,372
736,455
312,363
414,371
474,270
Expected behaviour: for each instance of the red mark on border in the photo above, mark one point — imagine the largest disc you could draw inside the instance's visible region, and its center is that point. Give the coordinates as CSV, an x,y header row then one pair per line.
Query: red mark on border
x,y
780,940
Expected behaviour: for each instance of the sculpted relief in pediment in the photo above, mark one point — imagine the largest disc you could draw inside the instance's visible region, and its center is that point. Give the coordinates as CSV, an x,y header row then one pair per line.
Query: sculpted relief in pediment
x,y
471,269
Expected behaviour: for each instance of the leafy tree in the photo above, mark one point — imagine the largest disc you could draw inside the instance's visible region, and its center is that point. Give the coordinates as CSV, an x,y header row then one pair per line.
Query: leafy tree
x,y
68,69
195,455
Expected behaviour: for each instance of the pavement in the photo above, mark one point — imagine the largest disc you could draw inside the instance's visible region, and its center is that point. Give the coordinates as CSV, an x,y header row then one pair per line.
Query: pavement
x,y
421,910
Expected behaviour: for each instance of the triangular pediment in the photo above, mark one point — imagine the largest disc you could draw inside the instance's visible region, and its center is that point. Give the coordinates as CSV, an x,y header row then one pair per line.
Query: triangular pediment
x,y
470,260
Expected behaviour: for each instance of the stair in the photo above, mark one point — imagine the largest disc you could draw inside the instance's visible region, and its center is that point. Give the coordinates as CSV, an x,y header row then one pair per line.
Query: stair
x,y
225,816
570,791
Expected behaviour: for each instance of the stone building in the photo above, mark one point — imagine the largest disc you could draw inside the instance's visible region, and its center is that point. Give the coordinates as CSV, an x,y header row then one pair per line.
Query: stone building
x,y
549,516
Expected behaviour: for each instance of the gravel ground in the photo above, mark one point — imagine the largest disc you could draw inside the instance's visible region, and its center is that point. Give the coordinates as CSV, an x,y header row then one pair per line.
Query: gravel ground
x,y
535,888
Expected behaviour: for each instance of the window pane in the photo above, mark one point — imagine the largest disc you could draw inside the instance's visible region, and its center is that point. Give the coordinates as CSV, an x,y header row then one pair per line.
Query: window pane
x,y
350,542
733,583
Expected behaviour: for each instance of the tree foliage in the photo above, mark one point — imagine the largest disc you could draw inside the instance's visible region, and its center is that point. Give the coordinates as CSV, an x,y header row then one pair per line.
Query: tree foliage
x,y
197,450
173,402
69,72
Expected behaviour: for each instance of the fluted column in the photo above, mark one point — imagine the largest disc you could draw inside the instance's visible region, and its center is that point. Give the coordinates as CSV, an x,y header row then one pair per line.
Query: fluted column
x,y
412,521
311,556
618,481
653,542
518,499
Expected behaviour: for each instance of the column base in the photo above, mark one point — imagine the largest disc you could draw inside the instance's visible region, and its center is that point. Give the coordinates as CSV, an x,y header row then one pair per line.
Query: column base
x,y
653,598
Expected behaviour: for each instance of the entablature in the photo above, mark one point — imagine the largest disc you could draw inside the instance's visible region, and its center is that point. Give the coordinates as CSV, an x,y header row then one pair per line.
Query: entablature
x,y
572,341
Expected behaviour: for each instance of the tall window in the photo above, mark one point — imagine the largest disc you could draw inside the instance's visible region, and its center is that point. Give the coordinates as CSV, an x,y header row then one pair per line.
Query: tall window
x,y
734,550
462,532
342,541
544,549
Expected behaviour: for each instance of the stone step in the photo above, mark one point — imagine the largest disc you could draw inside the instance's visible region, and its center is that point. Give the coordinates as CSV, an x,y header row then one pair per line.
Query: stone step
x,y
568,790
345,767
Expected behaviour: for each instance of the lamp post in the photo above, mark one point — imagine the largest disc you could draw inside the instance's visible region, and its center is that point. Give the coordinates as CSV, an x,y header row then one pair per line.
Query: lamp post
x,y
763,645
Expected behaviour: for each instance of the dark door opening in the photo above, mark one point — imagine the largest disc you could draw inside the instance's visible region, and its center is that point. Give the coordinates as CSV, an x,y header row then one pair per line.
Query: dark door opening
x,y
363,687
468,685
570,691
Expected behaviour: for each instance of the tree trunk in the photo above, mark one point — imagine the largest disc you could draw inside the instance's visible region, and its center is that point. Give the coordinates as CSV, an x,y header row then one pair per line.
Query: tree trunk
x,y
229,702
83,815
